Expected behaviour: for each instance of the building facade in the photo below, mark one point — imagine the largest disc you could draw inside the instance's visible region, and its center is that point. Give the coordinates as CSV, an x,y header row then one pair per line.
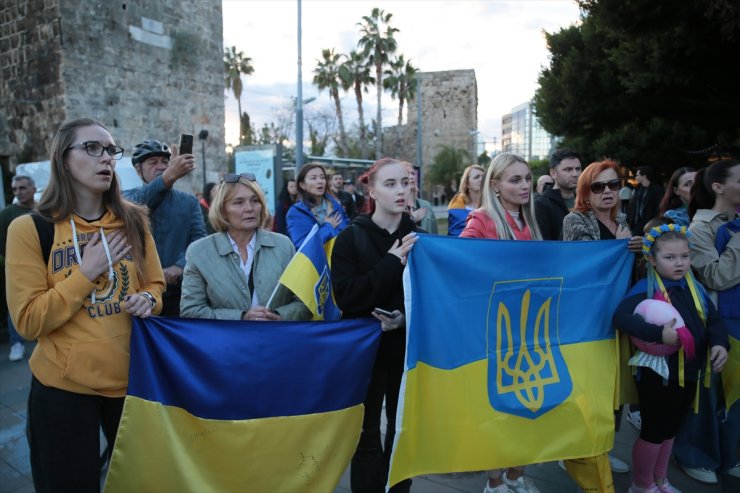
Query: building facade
x,y
522,134
143,69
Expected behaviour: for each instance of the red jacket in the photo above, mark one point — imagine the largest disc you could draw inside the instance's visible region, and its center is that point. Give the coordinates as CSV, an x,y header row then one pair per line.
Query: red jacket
x,y
480,225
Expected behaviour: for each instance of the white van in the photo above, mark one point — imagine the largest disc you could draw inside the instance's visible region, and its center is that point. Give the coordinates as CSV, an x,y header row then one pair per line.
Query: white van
x,y
40,171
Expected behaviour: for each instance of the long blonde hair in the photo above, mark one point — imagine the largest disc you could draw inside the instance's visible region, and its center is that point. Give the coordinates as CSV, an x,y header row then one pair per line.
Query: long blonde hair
x,y
465,184
492,204
58,202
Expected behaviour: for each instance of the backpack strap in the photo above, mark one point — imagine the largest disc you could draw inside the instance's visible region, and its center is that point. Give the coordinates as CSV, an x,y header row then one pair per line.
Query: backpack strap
x,y
45,230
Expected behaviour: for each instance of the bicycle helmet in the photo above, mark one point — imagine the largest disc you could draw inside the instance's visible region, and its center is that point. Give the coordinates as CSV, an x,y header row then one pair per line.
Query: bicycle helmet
x,y
147,149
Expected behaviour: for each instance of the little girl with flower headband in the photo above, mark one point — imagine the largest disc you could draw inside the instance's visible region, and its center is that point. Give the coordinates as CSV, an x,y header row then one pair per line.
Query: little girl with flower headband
x,y
665,399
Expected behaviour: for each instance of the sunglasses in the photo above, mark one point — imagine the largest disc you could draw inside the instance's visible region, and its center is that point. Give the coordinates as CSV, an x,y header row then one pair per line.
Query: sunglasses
x,y
234,178
599,186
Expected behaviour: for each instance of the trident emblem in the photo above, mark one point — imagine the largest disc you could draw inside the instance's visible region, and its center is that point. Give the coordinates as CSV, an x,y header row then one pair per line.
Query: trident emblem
x,y
321,291
527,375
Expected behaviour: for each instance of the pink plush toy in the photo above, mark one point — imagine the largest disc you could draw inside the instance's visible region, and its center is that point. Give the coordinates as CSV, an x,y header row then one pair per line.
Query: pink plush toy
x,y
660,312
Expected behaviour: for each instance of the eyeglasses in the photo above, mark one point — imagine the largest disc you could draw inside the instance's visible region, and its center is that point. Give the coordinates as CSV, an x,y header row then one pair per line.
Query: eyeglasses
x,y
95,149
599,186
234,178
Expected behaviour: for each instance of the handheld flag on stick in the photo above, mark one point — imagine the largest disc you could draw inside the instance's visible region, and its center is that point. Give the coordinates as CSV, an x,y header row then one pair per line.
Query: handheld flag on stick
x,y
308,277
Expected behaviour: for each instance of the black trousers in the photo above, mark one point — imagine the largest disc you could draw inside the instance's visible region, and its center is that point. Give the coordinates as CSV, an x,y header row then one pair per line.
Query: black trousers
x,y
662,406
63,431
370,463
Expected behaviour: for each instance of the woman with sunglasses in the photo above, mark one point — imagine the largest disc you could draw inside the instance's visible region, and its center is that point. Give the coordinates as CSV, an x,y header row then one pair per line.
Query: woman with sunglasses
x,y
77,270
596,216
315,205
231,274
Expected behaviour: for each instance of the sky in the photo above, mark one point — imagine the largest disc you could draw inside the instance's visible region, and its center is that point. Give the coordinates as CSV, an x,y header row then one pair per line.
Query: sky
x,y
502,41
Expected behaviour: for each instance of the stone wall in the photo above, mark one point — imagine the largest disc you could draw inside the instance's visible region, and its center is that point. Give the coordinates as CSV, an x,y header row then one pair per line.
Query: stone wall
x,y
449,116
144,69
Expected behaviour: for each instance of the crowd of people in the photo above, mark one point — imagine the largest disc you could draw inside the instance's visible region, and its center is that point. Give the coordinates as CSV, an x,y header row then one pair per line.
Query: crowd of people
x,y
87,258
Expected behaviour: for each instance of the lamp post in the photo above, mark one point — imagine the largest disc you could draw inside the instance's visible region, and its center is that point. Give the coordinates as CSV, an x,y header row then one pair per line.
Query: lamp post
x,y
202,136
299,104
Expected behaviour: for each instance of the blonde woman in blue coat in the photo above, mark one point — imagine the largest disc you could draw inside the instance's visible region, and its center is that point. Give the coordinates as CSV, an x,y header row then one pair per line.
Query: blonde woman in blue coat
x,y
231,274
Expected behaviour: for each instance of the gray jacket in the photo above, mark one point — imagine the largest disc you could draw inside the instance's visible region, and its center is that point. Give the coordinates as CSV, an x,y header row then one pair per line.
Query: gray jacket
x,y
214,285
716,272
584,227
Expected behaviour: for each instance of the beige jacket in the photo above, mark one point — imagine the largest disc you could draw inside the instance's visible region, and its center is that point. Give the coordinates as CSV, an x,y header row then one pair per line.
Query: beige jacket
x,y
716,272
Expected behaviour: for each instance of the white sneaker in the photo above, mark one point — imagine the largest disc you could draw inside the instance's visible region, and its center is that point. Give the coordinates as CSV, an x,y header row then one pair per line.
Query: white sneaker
x,y
734,471
502,488
17,351
701,474
635,419
617,465
520,485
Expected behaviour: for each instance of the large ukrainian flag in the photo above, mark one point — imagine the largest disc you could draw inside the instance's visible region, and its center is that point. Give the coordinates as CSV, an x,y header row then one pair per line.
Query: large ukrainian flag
x,y
309,278
222,406
511,356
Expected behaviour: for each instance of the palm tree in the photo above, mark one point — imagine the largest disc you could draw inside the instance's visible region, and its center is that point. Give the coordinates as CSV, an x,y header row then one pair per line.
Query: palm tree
x,y
236,64
326,76
401,82
355,72
377,43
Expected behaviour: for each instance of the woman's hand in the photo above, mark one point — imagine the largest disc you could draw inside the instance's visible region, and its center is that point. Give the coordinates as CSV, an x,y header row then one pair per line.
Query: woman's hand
x,y
635,243
670,336
94,262
718,357
418,214
335,219
138,306
260,313
391,323
402,248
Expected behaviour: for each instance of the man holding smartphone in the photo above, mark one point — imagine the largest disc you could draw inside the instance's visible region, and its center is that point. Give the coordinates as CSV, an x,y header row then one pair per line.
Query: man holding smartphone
x,y
175,216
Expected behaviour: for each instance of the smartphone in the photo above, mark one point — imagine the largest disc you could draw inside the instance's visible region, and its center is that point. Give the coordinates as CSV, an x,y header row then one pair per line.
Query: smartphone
x,y
186,144
384,312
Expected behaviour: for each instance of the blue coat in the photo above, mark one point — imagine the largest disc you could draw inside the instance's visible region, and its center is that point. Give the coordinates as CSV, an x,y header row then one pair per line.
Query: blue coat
x,y
175,216
300,220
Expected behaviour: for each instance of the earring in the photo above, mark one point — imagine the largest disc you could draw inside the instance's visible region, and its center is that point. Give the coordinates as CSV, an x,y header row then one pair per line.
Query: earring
x,y
588,201
498,194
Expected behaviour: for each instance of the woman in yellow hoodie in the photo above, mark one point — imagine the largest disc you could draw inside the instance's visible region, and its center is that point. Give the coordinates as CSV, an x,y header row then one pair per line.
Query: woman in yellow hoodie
x,y
77,270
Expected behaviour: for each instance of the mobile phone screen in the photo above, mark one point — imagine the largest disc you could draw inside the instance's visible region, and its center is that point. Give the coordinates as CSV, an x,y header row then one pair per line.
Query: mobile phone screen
x,y
186,144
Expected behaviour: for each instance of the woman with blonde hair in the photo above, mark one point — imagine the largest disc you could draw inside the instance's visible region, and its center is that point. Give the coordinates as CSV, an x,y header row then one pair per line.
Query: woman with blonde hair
x,y
230,275
507,213
467,199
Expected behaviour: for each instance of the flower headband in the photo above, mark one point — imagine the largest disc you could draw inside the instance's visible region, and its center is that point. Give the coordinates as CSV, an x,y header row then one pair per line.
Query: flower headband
x,y
649,240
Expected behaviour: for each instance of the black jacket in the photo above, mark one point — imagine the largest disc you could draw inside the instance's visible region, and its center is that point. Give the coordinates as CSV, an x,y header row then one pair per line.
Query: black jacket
x,y
550,211
364,275
643,207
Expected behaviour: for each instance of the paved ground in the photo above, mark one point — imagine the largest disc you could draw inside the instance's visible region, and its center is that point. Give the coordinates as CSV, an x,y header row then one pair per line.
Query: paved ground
x,y
15,471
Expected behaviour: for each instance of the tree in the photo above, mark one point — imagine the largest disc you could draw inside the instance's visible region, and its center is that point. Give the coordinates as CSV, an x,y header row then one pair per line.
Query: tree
x,y
447,166
401,81
378,43
355,73
644,82
326,76
321,126
236,64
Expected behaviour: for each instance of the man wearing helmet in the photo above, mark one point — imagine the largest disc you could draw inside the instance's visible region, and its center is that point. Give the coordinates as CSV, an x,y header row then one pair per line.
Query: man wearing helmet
x,y
175,216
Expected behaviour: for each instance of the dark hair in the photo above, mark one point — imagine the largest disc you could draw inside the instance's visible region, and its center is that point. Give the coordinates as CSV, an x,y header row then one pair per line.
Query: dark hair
x,y
558,156
368,177
648,172
284,196
702,194
207,192
301,178
58,200
671,200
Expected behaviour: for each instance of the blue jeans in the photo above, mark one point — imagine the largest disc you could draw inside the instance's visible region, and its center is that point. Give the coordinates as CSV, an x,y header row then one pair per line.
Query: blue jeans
x,y
14,336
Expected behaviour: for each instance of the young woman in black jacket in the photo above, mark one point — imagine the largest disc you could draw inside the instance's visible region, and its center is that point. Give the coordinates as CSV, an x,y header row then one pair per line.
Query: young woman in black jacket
x,y
367,267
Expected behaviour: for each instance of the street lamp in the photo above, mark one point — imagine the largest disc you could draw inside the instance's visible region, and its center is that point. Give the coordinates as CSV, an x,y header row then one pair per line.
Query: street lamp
x,y
202,136
299,130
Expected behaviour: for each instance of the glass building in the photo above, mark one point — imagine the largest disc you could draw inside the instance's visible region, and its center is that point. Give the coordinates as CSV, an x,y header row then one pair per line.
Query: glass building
x,y
523,135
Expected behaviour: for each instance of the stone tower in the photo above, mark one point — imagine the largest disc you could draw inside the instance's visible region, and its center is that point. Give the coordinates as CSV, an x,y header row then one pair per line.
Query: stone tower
x,y
449,116
144,69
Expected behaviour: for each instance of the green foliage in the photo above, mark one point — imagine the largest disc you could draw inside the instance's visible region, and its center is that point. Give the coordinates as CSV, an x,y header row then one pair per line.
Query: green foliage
x,y
643,82
246,132
484,159
539,167
401,81
447,165
236,64
355,74
326,76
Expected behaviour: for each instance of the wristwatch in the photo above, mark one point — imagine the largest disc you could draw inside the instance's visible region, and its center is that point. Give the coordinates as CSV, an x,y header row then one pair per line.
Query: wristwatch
x,y
148,296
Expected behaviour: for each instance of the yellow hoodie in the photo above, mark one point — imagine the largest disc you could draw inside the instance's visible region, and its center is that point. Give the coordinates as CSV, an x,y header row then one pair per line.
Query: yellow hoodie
x,y
82,328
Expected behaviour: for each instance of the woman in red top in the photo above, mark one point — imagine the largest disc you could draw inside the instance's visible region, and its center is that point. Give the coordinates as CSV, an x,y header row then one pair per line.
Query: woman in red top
x,y
507,213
